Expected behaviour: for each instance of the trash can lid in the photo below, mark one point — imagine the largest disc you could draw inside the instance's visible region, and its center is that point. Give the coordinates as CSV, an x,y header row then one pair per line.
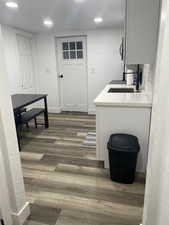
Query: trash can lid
x,y
123,142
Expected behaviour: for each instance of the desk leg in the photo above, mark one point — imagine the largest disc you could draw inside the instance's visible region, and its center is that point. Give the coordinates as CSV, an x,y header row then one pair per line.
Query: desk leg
x,y
46,113
18,137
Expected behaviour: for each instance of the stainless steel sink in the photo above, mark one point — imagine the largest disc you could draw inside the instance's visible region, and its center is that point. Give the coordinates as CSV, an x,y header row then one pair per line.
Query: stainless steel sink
x,y
121,90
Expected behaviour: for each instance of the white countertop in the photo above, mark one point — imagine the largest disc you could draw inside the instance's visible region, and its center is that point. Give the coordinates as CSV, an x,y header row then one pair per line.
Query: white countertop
x,y
142,99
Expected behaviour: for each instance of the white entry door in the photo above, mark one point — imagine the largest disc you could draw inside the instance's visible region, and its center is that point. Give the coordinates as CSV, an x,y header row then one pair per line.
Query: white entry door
x,y
72,73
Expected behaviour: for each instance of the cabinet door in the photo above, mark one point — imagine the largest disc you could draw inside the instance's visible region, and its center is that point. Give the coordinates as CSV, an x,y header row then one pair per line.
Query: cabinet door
x,y
141,31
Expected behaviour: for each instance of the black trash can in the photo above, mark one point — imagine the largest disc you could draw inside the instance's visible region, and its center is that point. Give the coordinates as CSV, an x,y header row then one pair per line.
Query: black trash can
x,y
123,151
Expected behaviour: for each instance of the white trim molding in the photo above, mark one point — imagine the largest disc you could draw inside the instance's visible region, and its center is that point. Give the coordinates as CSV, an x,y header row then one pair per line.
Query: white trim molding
x,y
92,111
5,209
55,109
20,217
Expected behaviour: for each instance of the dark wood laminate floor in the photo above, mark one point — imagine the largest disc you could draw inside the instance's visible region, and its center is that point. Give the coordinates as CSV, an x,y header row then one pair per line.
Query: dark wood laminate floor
x,y
64,182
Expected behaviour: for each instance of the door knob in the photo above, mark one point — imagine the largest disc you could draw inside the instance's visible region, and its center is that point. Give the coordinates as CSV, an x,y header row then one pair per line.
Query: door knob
x,y
61,76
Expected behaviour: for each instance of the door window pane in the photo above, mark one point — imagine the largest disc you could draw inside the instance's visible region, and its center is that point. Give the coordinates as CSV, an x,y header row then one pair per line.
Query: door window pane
x,y
66,55
80,54
72,50
72,45
72,54
79,44
65,46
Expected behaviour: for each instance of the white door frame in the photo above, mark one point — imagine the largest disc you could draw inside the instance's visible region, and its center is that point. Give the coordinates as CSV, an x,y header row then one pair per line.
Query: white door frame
x,y
58,69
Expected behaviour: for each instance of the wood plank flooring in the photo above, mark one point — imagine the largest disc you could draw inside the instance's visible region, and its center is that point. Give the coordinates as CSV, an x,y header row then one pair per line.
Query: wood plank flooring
x,y
64,182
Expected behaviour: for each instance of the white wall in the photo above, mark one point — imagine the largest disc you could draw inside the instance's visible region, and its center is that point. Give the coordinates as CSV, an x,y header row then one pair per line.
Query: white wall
x,y
9,147
104,63
46,70
156,207
5,209
12,60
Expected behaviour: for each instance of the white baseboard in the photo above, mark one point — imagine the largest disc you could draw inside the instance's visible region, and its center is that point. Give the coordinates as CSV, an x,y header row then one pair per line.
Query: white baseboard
x,y
54,109
59,110
20,217
91,111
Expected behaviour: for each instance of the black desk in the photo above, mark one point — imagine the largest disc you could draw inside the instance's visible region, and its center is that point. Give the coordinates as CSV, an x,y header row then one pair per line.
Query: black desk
x,y
20,101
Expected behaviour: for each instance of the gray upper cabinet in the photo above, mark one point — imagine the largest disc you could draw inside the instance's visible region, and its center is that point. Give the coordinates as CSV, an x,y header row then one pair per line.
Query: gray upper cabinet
x,y
141,31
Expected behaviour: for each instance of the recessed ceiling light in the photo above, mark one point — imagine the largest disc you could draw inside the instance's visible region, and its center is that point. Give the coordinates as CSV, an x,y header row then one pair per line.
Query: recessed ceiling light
x,y
79,1
48,23
12,4
98,20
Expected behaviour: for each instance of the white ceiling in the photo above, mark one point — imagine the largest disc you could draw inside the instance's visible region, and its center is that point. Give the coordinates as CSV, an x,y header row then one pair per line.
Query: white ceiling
x,y
66,14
